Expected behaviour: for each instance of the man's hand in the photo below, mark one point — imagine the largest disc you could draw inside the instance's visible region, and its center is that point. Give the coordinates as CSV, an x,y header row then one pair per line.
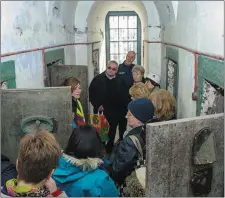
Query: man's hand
x,y
101,108
51,185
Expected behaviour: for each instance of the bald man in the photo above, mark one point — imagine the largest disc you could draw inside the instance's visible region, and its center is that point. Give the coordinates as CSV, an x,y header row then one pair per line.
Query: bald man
x,y
125,77
125,69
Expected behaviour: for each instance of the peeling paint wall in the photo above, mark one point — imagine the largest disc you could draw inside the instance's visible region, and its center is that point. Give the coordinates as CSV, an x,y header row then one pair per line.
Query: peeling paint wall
x,y
213,101
95,12
194,28
33,24
96,21
185,105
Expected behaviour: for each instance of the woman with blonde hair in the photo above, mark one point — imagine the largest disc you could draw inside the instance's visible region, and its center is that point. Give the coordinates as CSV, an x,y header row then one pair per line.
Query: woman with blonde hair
x,y
165,105
139,90
138,74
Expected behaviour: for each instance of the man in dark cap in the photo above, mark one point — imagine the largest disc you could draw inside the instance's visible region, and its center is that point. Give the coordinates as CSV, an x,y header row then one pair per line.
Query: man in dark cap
x,y
125,154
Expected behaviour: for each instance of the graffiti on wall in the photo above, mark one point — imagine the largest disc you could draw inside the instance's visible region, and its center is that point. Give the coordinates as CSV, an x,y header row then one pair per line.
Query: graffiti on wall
x,y
95,61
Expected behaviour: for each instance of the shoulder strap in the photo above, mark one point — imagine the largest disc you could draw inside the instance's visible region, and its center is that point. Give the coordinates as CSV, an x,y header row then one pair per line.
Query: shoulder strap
x,y
137,144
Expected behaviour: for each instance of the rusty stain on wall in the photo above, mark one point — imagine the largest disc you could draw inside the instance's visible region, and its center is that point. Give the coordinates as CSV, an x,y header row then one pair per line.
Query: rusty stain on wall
x,y
213,99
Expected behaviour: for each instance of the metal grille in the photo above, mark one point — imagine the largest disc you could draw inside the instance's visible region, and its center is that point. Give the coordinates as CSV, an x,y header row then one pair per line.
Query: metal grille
x,y
171,84
123,35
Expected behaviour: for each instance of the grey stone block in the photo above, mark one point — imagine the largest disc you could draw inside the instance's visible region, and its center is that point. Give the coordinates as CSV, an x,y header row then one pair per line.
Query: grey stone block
x,y
18,104
58,73
169,150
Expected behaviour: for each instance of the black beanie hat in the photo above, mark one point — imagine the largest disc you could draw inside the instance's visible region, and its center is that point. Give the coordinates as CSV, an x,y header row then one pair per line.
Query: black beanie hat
x,y
142,109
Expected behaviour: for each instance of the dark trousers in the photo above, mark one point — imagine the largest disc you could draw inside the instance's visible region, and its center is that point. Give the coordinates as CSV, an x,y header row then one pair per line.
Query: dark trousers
x,y
115,118
113,123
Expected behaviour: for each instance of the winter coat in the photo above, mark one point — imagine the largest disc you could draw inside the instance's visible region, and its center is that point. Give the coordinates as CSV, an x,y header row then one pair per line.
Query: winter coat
x,y
125,71
84,177
124,156
77,109
10,189
8,170
63,194
125,83
98,91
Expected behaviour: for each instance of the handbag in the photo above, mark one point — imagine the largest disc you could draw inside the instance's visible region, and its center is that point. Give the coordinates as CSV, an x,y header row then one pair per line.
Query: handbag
x,y
101,124
134,184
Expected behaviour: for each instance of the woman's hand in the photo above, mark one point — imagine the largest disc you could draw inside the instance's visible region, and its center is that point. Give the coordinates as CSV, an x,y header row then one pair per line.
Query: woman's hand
x,y
101,108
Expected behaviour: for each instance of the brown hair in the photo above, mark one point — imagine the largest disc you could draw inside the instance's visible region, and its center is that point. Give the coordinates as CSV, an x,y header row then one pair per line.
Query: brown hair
x,y
139,90
139,68
164,103
38,155
72,82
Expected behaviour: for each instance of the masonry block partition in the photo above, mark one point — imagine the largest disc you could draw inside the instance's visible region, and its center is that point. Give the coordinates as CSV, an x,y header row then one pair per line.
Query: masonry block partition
x,y
18,104
169,151
58,74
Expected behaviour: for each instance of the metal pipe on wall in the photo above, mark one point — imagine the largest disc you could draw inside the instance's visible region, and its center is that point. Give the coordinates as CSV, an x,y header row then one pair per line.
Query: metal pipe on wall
x,y
44,48
196,53
189,50
43,52
44,67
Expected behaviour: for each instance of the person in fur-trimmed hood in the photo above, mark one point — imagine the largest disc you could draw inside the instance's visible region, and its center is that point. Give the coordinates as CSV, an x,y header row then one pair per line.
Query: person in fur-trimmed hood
x,y
81,170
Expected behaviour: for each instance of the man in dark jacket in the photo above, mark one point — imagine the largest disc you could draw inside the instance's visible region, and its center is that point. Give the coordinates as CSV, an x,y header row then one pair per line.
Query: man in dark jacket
x,y
104,96
125,69
126,81
125,155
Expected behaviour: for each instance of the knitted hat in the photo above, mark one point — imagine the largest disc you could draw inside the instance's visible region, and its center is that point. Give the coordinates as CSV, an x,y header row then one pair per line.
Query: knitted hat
x,y
142,109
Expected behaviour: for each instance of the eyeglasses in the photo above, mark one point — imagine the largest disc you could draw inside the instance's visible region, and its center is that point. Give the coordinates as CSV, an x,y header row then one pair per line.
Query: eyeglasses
x,y
111,68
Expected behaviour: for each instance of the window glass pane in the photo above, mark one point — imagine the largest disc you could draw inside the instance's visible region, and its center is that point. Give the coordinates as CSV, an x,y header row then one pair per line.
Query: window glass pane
x,y
113,47
122,58
123,47
113,22
114,57
122,21
132,21
132,46
123,35
135,60
114,35
132,34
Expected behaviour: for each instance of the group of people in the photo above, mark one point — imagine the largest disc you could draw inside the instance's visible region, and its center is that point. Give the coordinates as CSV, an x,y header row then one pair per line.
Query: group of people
x,y
129,100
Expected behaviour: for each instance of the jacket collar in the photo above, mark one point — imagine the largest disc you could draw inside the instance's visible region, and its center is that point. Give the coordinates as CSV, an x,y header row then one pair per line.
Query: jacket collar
x,y
131,65
134,131
88,164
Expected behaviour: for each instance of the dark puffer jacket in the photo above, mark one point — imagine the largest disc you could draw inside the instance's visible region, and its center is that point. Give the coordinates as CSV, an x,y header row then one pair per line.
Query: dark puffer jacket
x,y
124,156
8,170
